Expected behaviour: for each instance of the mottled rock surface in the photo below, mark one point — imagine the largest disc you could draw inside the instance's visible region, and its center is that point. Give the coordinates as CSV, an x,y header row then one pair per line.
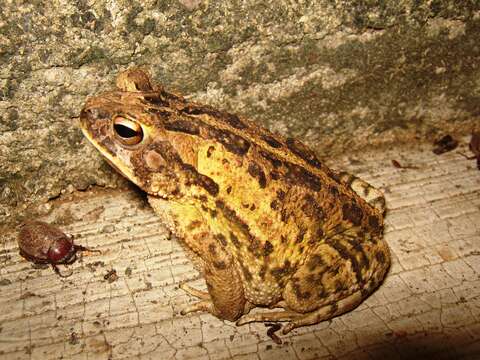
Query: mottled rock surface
x,y
338,74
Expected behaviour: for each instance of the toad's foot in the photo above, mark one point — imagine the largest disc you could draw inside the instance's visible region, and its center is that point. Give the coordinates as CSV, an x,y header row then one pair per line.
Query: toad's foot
x,y
204,305
195,292
274,316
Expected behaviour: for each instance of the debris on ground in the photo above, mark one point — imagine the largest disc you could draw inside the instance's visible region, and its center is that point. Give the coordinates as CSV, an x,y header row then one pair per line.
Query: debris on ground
x,y
400,166
444,144
111,276
272,329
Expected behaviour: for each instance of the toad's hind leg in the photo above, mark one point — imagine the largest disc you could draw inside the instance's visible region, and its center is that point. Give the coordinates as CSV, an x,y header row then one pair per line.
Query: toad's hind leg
x,y
296,319
225,298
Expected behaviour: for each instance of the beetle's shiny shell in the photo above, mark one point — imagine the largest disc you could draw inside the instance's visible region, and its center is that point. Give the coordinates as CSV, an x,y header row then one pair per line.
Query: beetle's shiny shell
x,y
36,238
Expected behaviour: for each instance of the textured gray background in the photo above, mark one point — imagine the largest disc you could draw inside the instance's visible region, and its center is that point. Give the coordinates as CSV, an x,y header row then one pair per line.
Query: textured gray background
x,y
338,74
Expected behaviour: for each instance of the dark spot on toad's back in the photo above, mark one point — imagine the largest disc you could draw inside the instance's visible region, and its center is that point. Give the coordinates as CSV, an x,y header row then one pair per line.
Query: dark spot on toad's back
x,y
345,254
303,152
315,262
220,265
234,121
267,248
300,235
271,158
235,240
311,208
246,273
256,171
298,175
271,141
210,151
212,249
221,238
232,142
274,175
263,271
353,213
283,271
194,177
275,205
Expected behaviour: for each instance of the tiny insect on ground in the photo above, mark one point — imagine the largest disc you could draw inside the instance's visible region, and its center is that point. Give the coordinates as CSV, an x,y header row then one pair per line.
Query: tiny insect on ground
x,y
42,243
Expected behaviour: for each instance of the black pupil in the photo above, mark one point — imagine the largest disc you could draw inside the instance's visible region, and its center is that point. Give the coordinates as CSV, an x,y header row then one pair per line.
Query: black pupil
x,y
125,131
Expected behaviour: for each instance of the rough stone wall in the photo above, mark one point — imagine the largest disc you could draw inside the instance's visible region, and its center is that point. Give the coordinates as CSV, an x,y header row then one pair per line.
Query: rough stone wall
x,y
339,74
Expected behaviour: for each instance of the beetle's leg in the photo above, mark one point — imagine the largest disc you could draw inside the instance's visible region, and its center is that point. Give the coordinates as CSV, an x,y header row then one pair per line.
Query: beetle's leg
x,y
83,248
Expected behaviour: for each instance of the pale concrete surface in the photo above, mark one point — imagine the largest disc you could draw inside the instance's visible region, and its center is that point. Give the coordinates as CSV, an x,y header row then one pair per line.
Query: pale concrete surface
x,y
428,307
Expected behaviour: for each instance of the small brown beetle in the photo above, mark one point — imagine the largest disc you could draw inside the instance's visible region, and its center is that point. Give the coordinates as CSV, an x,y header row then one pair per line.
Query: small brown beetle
x,y
42,243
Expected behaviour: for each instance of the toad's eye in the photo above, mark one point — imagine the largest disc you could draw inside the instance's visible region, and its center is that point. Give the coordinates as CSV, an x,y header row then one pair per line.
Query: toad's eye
x,y
127,131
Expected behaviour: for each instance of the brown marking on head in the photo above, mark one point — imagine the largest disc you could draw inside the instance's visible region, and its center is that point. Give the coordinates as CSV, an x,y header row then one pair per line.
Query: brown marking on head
x,y
257,172
184,126
281,195
229,189
228,118
156,99
303,152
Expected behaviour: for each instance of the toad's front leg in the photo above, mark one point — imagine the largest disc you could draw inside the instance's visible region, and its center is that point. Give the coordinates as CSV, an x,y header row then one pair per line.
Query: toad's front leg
x,y
225,298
